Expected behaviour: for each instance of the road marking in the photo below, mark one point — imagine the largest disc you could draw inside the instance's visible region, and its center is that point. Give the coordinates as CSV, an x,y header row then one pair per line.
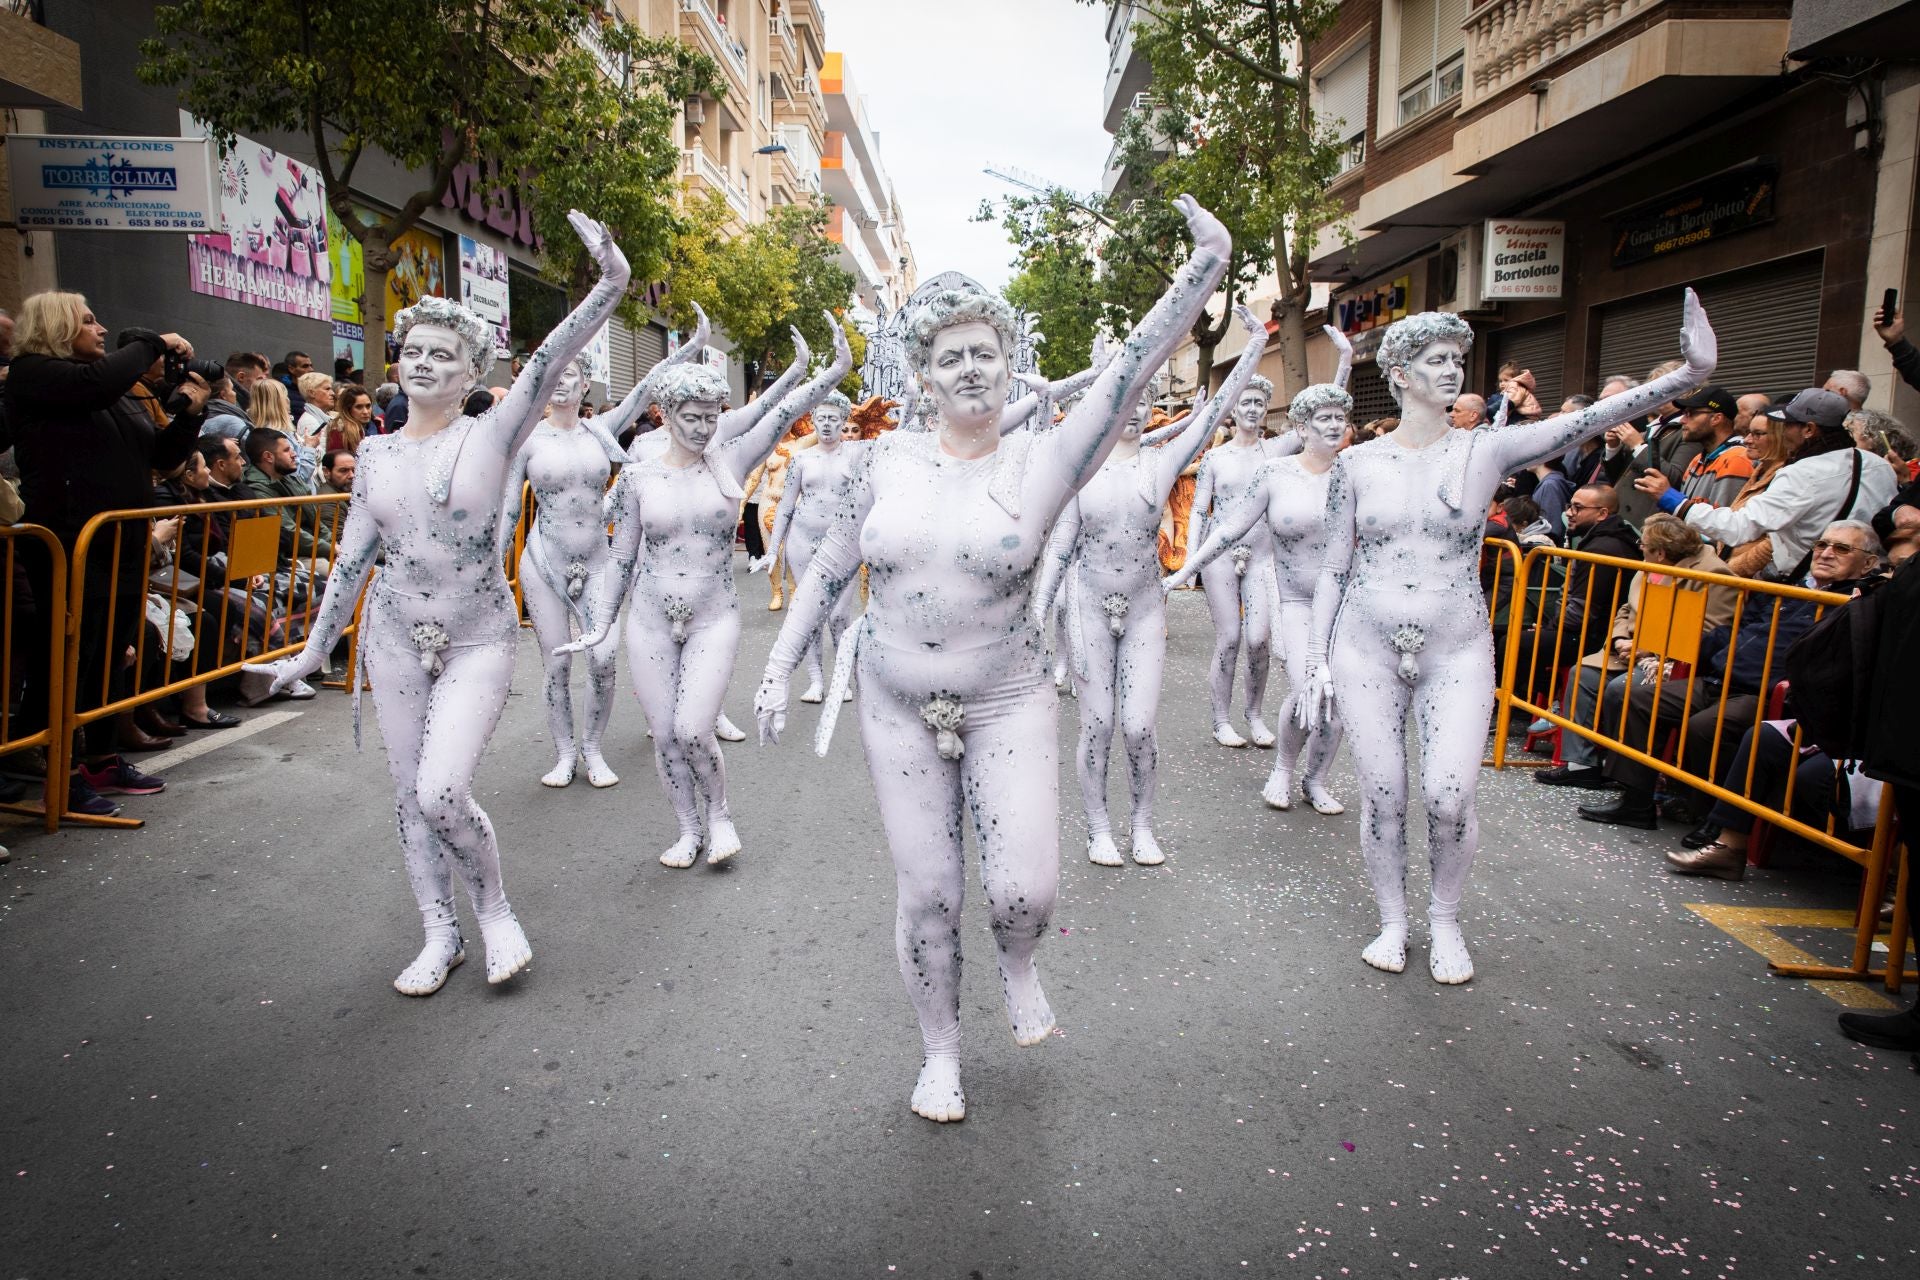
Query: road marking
x,y
214,739
1753,927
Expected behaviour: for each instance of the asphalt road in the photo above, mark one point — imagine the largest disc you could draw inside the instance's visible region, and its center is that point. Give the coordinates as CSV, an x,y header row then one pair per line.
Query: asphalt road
x,y
705,1072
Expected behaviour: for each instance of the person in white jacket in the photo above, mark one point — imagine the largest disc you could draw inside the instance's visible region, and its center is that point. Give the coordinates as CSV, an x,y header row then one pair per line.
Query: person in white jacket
x,y
1826,479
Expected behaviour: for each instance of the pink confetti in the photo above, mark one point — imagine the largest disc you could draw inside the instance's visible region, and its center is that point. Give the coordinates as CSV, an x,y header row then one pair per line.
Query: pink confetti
x,y
1346,1146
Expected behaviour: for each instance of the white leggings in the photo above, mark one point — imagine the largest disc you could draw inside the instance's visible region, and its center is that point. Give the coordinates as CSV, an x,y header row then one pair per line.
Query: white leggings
x,y
681,685
1240,605
435,728
551,627
1008,784
800,554
1122,683
1451,700
1294,624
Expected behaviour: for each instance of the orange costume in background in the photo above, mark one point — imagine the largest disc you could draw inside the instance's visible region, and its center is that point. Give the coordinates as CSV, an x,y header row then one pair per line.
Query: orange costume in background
x,y
869,419
1179,509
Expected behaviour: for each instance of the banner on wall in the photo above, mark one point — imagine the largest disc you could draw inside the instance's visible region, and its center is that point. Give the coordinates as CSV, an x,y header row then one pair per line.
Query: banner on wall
x,y
349,282
420,270
599,356
273,253
113,184
483,288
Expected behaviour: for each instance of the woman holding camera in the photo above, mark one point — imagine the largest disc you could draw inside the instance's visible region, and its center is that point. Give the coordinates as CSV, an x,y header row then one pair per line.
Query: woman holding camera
x,y
85,447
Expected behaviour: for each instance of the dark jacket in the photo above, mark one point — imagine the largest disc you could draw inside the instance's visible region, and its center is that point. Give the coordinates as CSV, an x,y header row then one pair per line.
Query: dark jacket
x,y
83,446
1906,361
1668,452
1750,654
1890,753
297,538
1598,582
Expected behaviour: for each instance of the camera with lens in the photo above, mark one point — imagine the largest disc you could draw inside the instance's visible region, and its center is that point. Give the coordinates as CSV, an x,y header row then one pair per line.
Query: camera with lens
x,y
178,366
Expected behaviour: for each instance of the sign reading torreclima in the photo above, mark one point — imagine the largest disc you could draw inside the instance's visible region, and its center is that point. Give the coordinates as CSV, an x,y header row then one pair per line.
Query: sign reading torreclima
x,y
82,183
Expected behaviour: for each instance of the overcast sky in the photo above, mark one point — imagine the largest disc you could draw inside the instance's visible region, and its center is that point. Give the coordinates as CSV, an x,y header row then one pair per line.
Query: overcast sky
x,y
951,88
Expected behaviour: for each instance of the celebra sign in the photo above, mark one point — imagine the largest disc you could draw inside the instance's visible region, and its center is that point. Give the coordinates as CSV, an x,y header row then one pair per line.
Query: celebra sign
x,y
113,184
1524,259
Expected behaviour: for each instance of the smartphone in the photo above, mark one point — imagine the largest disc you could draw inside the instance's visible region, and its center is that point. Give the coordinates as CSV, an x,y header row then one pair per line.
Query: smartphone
x,y
1889,303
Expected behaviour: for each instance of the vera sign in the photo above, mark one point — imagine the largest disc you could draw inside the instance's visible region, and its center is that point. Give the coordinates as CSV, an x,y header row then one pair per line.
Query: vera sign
x,y
1524,259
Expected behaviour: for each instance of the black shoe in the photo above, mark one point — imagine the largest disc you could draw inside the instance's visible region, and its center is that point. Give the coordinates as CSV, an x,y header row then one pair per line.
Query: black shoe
x,y
1701,836
1897,1031
1562,775
1627,809
1682,809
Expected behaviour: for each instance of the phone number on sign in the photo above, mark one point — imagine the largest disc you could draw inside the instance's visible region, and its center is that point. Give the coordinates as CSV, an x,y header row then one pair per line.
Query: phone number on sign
x,y
143,222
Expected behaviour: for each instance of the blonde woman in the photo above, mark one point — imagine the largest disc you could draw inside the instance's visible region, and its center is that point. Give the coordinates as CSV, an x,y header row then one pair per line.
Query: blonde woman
x,y
318,392
1767,450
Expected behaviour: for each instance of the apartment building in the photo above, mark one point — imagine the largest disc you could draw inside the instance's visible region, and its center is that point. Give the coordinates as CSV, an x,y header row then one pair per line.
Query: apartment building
x,y
1556,171
866,220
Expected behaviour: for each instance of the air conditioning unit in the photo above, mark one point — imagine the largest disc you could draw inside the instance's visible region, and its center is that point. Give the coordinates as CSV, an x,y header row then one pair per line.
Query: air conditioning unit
x,y
696,111
1457,274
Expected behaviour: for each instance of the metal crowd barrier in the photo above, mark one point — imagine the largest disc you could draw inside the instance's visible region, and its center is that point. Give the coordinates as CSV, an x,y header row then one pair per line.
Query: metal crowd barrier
x,y
255,606
22,615
1669,625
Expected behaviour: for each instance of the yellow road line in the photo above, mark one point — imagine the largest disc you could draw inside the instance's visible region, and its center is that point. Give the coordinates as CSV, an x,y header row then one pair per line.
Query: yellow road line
x,y
1753,927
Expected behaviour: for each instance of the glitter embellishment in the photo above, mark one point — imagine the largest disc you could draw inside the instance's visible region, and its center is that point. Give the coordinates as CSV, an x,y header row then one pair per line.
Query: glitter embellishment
x,y
1407,641
1115,605
576,579
431,639
1242,556
679,613
944,715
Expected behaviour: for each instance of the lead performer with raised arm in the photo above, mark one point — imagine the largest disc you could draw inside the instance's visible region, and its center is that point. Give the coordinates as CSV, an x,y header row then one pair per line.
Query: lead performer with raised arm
x,y
439,628
1399,623
674,516
957,713
1288,494
1105,549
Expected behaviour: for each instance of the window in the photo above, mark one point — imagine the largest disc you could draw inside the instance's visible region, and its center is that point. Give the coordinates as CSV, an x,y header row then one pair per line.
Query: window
x,y
1340,102
1432,54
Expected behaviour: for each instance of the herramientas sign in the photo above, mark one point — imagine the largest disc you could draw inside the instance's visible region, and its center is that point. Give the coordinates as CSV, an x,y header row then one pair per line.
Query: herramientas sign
x,y
1711,209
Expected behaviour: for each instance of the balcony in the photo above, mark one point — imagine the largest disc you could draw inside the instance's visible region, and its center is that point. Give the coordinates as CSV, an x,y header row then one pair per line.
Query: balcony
x,y
1127,75
701,27
871,280
704,175
1508,41
786,51
38,69
800,155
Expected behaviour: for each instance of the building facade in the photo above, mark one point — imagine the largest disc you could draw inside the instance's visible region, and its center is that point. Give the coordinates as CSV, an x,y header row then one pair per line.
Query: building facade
x,y
1556,173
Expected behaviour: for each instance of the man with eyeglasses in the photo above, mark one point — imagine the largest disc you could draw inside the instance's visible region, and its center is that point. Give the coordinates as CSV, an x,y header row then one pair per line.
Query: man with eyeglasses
x,y
1733,660
1593,591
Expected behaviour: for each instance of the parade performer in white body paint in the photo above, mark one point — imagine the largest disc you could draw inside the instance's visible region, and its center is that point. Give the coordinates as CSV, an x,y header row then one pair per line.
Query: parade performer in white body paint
x,y
439,628
1288,495
1399,623
1105,550
674,519
818,480
957,713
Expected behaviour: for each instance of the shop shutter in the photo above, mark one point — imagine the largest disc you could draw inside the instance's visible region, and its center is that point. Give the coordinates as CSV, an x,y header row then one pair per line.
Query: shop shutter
x,y
649,347
1341,94
1767,320
1541,347
1371,399
620,370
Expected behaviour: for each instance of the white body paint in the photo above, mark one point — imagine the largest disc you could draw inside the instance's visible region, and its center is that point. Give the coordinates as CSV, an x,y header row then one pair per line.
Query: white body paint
x,y
957,713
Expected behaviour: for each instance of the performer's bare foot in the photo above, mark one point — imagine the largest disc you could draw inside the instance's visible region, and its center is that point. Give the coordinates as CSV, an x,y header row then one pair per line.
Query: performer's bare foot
x,y
597,771
937,1095
561,775
1146,850
1449,962
1027,1007
1224,734
1279,790
1322,799
508,951
1103,852
815,693
722,841
1261,736
1389,950
723,729
683,852
429,970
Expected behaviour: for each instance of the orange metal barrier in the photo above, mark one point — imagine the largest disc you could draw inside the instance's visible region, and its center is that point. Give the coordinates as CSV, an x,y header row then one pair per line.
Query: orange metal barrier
x,y
24,622
254,606
1666,631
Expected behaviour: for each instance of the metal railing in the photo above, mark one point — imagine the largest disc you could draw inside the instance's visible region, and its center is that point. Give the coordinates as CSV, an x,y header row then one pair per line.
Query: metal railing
x,y
34,630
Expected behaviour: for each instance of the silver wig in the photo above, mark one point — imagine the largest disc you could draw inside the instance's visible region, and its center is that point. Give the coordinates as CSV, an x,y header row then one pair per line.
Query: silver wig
x,y
677,384
1318,396
1262,384
950,307
473,328
835,400
1408,338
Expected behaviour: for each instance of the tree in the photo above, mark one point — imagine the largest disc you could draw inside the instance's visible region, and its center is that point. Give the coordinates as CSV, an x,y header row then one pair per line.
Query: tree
x,y
1057,285
557,91
1237,72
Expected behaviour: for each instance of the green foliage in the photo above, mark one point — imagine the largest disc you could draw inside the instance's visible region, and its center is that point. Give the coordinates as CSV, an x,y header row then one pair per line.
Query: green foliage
x,y
434,84
1057,282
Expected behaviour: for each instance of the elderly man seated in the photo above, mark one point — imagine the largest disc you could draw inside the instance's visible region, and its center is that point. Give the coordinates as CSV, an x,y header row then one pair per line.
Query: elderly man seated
x,y
1731,665
1665,540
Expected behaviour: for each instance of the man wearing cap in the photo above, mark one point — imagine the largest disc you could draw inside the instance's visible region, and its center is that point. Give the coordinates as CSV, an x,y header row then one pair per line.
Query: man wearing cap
x,y
1708,418
1826,479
